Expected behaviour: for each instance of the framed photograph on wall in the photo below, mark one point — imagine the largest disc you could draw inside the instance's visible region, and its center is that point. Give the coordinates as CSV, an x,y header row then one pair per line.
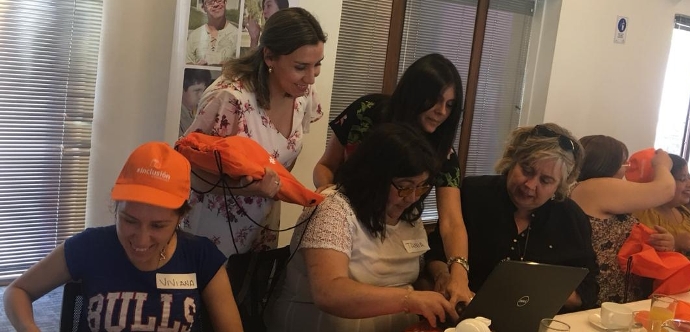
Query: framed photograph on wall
x,y
216,31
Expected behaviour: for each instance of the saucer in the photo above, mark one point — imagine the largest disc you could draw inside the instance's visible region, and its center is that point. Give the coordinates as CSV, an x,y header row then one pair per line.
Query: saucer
x,y
595,320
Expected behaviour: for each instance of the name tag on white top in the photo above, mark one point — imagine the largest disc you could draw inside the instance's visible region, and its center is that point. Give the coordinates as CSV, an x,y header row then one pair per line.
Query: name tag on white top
x,y
176,281
417,245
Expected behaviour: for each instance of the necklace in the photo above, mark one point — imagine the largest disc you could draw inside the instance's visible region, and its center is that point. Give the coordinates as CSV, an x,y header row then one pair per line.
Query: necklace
x,y
161,254
522,252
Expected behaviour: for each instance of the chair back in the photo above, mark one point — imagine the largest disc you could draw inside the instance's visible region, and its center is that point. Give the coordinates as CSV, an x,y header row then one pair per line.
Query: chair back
x,y
72,303
253,277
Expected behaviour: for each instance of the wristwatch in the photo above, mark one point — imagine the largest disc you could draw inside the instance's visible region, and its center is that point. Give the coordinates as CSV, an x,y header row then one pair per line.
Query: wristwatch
x,y
460,260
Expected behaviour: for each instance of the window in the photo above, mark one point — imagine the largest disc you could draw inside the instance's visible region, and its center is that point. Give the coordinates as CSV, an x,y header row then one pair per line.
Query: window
x,y
445,27
48,56
361,54
672,127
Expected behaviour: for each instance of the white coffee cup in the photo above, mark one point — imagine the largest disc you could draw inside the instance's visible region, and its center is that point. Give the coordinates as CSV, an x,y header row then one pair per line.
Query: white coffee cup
x,y
615,315
478,324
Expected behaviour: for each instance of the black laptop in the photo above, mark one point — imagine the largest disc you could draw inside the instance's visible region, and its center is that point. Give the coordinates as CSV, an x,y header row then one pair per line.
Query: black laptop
x,y
518,295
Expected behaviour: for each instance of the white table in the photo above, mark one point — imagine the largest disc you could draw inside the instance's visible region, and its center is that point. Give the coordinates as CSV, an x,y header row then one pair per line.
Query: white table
x,y
579,321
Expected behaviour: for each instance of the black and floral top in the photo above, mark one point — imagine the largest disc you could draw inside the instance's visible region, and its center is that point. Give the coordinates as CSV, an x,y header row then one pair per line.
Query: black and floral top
x,y
360,117
608,236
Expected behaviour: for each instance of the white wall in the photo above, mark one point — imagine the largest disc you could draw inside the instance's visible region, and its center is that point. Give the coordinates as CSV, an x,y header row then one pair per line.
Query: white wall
x,y
539,61
137,93
599,87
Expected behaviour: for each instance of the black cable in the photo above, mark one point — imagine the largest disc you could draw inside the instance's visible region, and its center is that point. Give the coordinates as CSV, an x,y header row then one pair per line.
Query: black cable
x,y
227,189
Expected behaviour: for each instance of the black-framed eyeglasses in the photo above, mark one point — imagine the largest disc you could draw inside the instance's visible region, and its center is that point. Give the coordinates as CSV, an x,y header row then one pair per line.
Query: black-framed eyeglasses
x,y
418,191
563,141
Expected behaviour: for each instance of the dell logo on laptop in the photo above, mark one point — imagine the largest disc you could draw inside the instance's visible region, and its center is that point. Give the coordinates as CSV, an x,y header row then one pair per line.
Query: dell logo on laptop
x,y
523,301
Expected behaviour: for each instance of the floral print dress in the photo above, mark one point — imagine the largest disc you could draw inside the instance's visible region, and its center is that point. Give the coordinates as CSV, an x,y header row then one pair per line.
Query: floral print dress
x,y
227,109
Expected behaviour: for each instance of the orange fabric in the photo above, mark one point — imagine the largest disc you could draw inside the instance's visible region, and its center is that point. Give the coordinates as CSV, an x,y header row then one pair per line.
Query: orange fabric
x,y
671,270
640,169
242,156
154,174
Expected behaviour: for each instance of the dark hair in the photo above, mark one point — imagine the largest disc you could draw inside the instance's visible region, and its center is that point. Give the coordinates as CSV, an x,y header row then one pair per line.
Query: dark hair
x,y
678,164
604,156
180,211
282,4
195,76
390,151
419,89
286,31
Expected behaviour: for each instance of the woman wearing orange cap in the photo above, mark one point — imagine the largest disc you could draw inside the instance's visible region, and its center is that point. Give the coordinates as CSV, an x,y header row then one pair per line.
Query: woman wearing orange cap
x,y
267,96
608,201
141,273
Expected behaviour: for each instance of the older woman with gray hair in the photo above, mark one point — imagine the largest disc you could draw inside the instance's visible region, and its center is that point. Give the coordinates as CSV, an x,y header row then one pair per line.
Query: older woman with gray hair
x,y
524,213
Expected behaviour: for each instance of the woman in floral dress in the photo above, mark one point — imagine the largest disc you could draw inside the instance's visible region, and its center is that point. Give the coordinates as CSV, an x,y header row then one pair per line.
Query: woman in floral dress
x,y
267,96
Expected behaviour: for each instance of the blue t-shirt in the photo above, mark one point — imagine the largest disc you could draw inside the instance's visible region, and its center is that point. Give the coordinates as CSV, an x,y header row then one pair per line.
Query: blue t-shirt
x,y
118,296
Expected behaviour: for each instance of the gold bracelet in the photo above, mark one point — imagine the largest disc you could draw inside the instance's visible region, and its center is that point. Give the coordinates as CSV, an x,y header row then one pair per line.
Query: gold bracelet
x,y
460,260
406,308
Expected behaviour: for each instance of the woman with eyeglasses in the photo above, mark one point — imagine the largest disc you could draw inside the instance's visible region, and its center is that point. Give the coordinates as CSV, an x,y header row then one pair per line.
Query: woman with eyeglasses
x,y
215,42
608,201
428,97
673,215
524,214
356,257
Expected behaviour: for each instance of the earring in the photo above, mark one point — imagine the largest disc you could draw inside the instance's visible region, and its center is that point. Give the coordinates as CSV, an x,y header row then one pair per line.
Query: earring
x,y
553,197
270,69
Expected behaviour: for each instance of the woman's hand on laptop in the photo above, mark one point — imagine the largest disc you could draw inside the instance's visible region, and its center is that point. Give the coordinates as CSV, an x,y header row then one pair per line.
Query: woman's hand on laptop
x,y
458,291
431,305
455,289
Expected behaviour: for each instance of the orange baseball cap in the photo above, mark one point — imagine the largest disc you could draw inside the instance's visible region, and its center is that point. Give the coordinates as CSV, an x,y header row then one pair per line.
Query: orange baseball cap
x,y
154,174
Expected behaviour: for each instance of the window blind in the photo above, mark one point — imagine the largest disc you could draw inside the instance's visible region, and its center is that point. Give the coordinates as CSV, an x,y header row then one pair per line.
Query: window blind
x,y
446,27
682,22
361,54
48,56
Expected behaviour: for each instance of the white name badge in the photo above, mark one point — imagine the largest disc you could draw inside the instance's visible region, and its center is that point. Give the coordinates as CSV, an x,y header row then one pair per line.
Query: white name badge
x,y
176,281
418,245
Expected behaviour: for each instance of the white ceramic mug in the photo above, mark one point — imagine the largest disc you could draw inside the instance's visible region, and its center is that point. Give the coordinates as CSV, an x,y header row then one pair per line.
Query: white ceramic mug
x,y
615,315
